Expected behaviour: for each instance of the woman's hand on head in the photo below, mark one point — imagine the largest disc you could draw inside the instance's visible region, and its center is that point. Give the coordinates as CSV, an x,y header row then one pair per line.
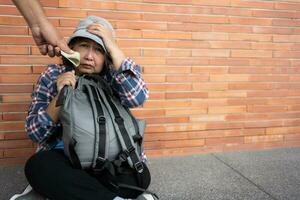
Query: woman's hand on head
x,y
111,46
105,33
66,79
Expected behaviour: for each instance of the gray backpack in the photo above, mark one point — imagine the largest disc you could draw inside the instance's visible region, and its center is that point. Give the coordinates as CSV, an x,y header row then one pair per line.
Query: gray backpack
x,y
97,128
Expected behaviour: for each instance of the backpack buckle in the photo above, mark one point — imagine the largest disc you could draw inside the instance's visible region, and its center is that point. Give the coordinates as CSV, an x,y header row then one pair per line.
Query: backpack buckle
x,y
129,150
139,167
101,119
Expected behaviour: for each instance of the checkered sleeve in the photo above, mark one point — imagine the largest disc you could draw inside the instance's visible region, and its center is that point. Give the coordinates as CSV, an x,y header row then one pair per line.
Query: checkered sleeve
x,y
130,85
39,125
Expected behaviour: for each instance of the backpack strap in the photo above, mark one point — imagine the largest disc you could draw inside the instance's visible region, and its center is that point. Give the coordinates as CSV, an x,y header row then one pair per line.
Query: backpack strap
x,y
130,150
101,156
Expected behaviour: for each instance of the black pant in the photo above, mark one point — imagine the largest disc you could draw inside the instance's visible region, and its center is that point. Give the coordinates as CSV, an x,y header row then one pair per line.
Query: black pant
x,y
50,173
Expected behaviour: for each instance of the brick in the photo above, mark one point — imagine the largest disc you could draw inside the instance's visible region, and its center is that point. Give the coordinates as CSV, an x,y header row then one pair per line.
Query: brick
x,y
211,53
250,21
13,30
27,60
136,25
183,151
167,70
271,46
188,44
231,11
166,53
169,120
187,78
244,101
167,104
282,130
251,53
261,70
273,14
187,61
166,35
208,102
175,127
154,78
209,36
18,79
12,161
287,6
231,28
12,40
286,54
17,153
249,37
8,10
15,135
14,69
285,38
228,78
189,95
173,144
292,137
194,111
226,109
264,62
266,108
10,144
16,88
189,27
223,141
15,98
261,124
210,86
208,70
57,12
20,107
109,15
6,2
72,3
14,50
226,94
149,112
169,87
47,3
124,33
267,138
252,4
272,30
286,22
11,126
142,43
269,78
12,20
14,116
206,118
150,61
229,61
229,45
157,96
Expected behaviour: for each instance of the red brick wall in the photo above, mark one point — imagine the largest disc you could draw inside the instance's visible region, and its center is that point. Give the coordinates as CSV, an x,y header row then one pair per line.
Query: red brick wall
x,y
223,74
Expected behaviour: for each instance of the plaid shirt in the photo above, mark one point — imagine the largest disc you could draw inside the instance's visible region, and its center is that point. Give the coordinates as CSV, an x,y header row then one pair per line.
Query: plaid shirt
x,y
127,82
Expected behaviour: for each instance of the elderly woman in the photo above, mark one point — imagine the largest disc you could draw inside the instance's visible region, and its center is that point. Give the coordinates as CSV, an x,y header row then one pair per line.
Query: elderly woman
x,y
49,171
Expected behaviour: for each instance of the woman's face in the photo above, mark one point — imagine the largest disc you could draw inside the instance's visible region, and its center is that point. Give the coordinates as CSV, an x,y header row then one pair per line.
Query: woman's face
x,y
91,56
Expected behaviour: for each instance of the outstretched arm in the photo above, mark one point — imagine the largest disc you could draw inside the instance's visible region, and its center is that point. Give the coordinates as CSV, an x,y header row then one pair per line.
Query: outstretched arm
x,y
45,35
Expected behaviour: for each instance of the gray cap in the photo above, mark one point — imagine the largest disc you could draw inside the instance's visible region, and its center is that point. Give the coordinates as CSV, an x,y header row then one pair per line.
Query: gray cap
x,y
81,29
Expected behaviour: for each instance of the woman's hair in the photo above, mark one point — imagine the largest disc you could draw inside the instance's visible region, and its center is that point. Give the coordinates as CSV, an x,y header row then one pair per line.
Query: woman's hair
x,y
107,65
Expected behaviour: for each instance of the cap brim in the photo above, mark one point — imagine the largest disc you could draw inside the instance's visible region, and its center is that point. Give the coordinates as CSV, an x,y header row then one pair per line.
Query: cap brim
x,y
83,33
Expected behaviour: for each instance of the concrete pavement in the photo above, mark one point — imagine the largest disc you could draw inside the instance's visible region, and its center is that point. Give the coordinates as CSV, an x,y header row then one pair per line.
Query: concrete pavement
x,y
257,175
